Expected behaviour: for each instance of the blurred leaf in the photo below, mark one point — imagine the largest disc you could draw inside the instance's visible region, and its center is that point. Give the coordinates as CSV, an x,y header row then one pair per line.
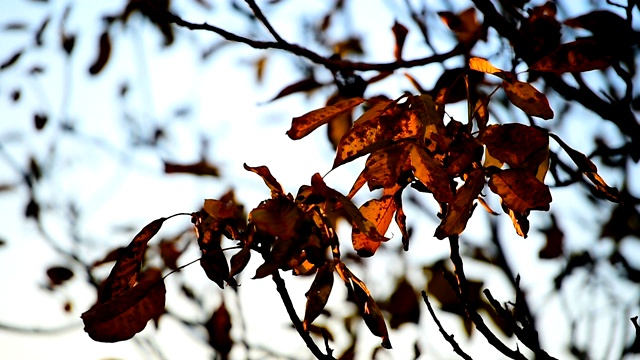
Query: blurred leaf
x,y
201,168
126,314
104,52
59,274
554,245
305,85
483,65
305,124
528,99
169,254
68,43
40,120
318,294
465,26
112,255
40,31
403,305
400,34
11,61
582,55
219,330
603,23
520,190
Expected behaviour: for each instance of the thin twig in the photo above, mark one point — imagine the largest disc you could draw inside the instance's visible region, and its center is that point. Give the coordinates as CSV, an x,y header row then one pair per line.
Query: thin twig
x,y
463,296
329,63
295,320
449,338
263,19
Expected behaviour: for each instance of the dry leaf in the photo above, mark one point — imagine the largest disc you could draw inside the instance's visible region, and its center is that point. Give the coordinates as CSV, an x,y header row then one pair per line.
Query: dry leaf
x,y
303,125
527,98
520,190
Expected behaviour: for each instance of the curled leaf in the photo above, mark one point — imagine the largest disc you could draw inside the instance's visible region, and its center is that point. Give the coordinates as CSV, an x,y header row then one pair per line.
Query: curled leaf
x,y
265,174
379,212
318,293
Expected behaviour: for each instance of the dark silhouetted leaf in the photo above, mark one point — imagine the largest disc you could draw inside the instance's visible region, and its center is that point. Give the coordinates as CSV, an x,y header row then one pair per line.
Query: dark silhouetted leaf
x,y
318,294
125,272
201,168
304,85
403,306
384,167
370,311
528,99
40,31
215,266
239,261
59,274
277,217
578,56
603,23
127,314
520,190
40,120
104,52
11,61
400,34
305,124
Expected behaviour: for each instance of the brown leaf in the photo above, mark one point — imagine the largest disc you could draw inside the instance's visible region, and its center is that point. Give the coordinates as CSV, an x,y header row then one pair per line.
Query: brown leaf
x,y
351,212
305,85
384,167
219,330
520,190
125,272
370,311
277,217
239,261
401,220
400,34
318,294
379,212
305,124
125,315
202,168
582,55
464,25
265,174
215,266
527,98
553,246
403,306
603,23
520,222
459,211
515,144
431,174
104,52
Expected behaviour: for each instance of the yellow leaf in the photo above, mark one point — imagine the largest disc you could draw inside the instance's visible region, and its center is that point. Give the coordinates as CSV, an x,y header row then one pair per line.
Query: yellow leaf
x,y
483,65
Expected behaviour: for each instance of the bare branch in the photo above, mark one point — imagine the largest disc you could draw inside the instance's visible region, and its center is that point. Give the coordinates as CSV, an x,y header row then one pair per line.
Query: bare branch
x,y
449,338
263,19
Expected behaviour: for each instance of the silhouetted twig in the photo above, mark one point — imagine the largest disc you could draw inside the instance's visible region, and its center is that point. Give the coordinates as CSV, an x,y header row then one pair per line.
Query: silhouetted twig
x,y
449,338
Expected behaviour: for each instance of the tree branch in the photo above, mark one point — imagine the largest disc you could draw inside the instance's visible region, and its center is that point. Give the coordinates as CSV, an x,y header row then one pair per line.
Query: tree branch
x,y
449,338
329,63
286,300
263,19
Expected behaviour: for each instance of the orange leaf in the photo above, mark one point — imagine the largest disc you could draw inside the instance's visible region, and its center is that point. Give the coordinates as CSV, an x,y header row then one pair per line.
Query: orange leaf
x,y
527,98
483,65
431,174
265,174
520,190
127,314
125,272
379,212
384,166
578,56
305,124
459,211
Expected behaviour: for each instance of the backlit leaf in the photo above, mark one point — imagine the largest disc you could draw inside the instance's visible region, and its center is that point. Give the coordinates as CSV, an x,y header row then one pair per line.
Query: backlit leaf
x,y
483,65
370,311
515,144
403,306
379,212
318,294
528,99
125,272
577,56
265,174
431,174
520,190
125,315
384,166
305,124
459,210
